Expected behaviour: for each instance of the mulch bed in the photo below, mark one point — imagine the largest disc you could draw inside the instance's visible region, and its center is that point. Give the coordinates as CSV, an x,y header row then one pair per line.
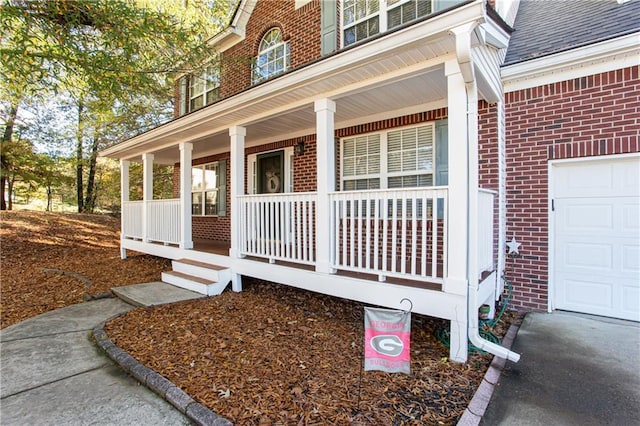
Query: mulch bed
x,y
275,355
270,355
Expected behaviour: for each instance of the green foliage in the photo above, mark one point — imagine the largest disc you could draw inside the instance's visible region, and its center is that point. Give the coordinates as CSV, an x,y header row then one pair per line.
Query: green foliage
x,y
109,65
106,46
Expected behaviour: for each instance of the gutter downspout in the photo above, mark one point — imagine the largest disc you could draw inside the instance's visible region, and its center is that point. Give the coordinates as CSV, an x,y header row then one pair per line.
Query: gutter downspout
x,y
463,55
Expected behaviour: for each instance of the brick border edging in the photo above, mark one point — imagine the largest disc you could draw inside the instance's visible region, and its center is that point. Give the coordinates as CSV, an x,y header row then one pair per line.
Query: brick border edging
x,y
159,384
480,401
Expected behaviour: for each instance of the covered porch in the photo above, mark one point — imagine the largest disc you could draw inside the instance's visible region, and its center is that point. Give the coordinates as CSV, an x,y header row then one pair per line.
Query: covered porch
x,y
434,245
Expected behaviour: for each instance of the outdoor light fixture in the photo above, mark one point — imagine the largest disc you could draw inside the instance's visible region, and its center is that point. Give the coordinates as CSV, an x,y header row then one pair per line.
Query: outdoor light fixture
x,y
299,149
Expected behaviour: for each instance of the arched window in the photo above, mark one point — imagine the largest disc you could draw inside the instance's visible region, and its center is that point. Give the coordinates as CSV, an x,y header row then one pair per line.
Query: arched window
x,y
273,56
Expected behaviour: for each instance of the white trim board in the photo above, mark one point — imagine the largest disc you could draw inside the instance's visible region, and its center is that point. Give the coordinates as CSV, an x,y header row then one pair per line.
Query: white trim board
x,y
597,58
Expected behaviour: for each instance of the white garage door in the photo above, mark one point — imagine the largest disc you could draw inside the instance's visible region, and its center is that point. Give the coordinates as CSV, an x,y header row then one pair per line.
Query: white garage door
x,y
596,224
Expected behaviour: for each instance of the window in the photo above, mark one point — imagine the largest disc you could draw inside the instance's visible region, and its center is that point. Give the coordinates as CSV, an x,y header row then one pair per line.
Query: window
x,y
364,18
200,89
360,19
400,12
273,57
204,88
208,189
361,163
398,158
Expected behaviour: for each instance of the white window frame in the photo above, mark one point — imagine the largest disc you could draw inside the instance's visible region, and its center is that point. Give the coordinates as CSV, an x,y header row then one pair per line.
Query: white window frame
x,y
204,190
384,173
257,75
209,82
252,169
383,9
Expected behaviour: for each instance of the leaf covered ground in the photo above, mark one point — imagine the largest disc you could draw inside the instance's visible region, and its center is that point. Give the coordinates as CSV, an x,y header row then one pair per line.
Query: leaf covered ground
x,y
51,260
270,355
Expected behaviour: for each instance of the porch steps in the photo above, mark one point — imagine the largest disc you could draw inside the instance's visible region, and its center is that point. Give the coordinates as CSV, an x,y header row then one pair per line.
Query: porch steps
x,y
203,278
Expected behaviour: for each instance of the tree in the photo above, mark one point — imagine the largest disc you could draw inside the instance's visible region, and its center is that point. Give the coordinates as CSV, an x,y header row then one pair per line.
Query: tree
x,y
104,54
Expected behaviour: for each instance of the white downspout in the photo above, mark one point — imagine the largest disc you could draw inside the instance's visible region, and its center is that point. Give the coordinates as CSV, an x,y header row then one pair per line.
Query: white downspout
x,y
463,53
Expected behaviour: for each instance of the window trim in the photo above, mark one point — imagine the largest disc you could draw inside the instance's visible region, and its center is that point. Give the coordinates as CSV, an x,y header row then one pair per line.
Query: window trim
x,y
204,75
220,183
255,78
383,11
384,173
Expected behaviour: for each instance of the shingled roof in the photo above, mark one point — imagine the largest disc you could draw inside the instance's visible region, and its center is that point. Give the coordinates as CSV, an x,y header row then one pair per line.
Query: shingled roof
x,y
546,27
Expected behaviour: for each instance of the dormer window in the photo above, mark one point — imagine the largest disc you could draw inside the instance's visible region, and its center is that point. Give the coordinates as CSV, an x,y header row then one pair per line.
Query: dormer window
x,y
273,56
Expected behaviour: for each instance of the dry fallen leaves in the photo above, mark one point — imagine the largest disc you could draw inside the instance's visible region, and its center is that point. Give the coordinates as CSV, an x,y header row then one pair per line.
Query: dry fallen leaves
x,y
270,355
32,244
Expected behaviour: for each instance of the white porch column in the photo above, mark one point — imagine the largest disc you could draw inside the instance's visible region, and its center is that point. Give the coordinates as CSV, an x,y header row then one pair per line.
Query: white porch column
x,y
237,135
456,274
186,239
147,191
458,237
124,197
325,180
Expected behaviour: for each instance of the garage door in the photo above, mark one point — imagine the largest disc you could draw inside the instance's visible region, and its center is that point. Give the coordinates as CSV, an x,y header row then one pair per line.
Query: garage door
x,y
596,219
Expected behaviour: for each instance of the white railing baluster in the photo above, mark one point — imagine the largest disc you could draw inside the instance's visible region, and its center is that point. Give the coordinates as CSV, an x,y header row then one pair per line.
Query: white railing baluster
x,y
279,227
414,232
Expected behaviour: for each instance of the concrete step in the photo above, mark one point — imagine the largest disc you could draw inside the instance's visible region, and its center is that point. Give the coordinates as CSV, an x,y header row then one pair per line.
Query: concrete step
x,y
200,285
203,270
154,293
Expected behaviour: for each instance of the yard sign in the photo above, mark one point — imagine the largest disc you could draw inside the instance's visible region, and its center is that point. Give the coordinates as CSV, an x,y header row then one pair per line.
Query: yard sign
x,y
387,340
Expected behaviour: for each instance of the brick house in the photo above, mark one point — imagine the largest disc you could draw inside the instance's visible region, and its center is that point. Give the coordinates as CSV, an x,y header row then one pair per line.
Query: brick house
x,y
380,151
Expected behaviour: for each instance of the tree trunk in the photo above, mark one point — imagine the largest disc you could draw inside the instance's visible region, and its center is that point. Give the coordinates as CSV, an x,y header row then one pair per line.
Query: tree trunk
x,y
6,137
79,159
49,197
10,182
89,203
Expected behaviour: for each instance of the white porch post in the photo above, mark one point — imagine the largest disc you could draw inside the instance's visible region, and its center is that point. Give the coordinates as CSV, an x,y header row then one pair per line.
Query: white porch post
x,y
459,204
124,197
147,191
186,239
325,180
456,274
237,135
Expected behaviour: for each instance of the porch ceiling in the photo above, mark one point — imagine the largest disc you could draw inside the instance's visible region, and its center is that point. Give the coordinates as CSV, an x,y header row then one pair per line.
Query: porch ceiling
x,y
399,73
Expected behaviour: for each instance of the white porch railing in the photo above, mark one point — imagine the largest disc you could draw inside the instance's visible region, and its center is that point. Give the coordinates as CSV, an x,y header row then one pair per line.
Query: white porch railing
x,y
132,219
391,233
485,230
279,227
162,220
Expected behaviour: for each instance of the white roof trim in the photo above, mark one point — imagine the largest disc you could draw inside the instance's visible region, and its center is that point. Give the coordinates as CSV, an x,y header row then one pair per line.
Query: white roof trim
x,y
597,58
235,32
326,68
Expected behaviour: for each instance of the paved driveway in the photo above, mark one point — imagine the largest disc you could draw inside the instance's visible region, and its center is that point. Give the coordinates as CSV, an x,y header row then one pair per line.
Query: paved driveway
x,y
575,370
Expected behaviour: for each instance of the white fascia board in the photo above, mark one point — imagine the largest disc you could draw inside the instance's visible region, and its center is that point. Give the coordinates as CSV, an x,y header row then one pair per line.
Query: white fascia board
x,y
327,68
597,58
489,33
235,32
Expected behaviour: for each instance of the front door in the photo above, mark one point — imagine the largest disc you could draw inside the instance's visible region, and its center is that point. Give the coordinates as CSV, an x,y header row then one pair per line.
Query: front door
x,y
270,172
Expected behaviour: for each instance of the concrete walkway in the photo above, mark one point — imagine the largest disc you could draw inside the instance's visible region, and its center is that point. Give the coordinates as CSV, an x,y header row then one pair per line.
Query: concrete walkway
x,y
52,374
575,370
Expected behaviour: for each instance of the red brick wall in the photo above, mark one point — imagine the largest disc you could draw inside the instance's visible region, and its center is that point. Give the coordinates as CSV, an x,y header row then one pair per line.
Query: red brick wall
x,y
300,28
583,117
209,227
